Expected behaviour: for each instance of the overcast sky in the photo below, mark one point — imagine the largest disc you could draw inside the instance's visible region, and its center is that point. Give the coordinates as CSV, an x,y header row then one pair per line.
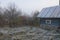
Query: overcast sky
x,y
30,5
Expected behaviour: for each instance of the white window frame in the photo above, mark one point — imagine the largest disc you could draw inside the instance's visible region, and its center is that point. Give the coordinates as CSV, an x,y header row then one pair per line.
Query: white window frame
x,y
48,21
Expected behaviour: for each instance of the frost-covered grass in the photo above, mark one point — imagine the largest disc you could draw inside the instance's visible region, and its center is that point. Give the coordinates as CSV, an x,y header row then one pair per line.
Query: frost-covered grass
x,y
29,33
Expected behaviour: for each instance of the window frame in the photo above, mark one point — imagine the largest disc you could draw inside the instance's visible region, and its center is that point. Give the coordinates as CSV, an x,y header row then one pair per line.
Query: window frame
x,y
48,21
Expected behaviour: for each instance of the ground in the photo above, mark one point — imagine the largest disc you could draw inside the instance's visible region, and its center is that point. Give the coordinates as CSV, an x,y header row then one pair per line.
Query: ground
x,y
27,33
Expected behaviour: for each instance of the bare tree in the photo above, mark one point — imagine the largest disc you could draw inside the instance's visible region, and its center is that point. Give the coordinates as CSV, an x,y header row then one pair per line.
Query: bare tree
x,y
11,15
35,19
1,17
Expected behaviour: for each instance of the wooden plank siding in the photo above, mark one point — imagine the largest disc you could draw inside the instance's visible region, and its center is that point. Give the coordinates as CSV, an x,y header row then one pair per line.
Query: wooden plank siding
x,y
55,23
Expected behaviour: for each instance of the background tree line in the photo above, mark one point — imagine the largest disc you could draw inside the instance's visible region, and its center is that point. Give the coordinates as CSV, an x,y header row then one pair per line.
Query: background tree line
x,y
11,17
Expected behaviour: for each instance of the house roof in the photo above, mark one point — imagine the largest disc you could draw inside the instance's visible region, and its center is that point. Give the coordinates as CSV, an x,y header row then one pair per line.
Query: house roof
x,y
50,12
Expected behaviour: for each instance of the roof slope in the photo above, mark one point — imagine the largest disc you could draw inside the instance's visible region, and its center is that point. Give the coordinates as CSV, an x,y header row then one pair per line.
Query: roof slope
x,y
50,12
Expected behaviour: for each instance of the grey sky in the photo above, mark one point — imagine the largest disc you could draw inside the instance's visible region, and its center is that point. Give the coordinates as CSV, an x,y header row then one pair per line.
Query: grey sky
x,y
30,5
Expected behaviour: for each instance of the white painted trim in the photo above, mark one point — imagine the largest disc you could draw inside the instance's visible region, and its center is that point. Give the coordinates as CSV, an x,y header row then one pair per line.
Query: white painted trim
x,y
48,21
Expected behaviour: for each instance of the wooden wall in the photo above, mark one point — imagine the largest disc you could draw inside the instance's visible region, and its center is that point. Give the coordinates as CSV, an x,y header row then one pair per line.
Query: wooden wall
x,y
54,21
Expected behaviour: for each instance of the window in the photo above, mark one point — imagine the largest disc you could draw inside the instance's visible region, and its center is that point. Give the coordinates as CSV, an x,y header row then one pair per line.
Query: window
x,y
48,21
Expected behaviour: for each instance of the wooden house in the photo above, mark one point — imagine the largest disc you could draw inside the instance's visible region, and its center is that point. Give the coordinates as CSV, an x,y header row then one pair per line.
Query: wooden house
x,y
50,16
